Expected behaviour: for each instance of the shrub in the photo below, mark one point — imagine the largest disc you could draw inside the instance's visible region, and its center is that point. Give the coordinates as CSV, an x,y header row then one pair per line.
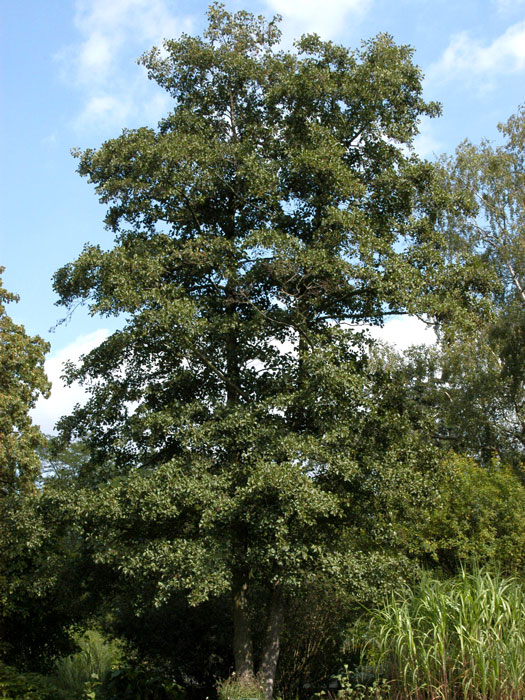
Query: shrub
x,y
140,682
79,674
25,686
481,517
349,688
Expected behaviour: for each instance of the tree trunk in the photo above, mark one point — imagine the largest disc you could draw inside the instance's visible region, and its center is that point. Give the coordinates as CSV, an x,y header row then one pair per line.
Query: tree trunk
x,y
242,636
270,652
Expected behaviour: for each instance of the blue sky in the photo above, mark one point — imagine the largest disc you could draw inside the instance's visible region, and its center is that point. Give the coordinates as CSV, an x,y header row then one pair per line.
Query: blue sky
x,y
69,79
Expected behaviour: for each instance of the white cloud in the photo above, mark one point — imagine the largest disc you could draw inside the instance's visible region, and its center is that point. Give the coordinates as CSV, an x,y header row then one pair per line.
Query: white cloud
x,y
312,16
95,56
112,34
400,332
426,145
104,109
466,56
63,398
109,27
403,332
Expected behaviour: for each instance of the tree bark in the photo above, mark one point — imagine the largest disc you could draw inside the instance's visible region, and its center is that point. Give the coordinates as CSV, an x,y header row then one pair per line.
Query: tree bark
x,y
270,652
242,635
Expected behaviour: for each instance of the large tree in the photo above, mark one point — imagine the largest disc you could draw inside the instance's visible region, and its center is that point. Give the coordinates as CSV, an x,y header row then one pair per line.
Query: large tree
x,y
236,440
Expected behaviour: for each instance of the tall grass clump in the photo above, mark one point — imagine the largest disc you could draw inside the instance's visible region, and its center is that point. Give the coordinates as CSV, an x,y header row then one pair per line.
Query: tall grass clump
x,y
459,639
234,688
79,674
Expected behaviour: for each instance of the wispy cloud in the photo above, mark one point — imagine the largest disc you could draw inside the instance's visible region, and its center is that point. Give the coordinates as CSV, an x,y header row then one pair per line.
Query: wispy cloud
x,y
426,144
100,65
467,57
325,18
63,398
508,6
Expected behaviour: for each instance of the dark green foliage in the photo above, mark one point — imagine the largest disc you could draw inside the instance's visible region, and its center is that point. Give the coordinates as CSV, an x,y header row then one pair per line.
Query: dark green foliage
x,y
26,686
478,513
46,558
141,682
62,463
469,389
245,446
238,439
189,644
315,642
22,379
313,638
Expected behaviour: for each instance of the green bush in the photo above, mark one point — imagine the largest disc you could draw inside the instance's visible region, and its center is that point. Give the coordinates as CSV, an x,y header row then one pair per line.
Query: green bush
x,y
481,517
460,639
80,675
26,686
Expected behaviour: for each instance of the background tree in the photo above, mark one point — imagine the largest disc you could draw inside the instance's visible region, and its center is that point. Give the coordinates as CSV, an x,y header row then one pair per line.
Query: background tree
x,y
235,444
480,519
22,379
482,371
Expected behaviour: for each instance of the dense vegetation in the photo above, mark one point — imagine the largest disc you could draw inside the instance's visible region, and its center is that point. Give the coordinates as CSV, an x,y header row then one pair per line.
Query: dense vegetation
x,y
254,485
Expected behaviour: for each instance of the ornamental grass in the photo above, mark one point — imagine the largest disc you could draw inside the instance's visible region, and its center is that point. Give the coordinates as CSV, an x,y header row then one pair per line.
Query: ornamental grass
x,y
459,639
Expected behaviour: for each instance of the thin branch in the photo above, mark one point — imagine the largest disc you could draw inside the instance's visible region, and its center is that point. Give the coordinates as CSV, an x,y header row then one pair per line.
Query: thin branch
x,y
202,357
286,324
